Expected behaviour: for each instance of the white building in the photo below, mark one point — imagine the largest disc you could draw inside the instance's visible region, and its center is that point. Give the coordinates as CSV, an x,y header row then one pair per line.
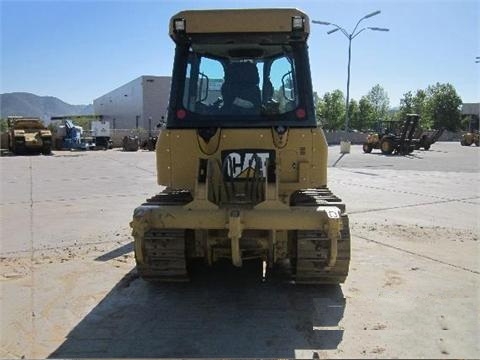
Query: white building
x,y
471,109
141,103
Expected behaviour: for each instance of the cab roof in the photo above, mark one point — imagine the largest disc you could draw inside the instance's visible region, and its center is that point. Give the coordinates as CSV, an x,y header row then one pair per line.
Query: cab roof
x,y
238,21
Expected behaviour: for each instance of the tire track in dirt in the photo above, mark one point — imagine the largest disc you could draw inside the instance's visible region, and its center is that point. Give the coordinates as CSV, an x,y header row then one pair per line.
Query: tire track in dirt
x,y
463,200
405,192
419,255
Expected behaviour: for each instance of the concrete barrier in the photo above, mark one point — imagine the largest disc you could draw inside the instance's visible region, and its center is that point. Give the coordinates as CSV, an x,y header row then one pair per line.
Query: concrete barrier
x,y
355,138
358,138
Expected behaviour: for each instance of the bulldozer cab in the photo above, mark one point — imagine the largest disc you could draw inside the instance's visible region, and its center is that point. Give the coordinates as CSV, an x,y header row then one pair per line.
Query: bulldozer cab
x,y
232,74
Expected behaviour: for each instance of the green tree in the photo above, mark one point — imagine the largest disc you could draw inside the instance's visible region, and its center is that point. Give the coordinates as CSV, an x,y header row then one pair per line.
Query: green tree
x,y
331,110
443,106
316,98
419,102
415,104
3,125
317,103
420,108
438,106
406,105
366,114
378,98
83,121
354,115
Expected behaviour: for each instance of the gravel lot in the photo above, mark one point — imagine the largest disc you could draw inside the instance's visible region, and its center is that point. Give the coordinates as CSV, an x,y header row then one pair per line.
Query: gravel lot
x,y
69,288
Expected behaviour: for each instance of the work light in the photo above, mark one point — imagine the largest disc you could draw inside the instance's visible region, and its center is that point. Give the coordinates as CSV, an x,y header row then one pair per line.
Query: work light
x,y
297,23
179,25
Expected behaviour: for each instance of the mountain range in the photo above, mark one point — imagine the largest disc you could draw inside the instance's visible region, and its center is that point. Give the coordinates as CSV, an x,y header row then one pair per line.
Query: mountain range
x,y
27,104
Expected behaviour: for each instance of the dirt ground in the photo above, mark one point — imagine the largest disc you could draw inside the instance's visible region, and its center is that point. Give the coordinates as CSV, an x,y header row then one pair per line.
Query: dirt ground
x,y
69,287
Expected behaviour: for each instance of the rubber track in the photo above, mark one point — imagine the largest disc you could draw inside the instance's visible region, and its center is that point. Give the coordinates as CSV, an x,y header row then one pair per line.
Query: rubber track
x,y
313,246
164,256
164,249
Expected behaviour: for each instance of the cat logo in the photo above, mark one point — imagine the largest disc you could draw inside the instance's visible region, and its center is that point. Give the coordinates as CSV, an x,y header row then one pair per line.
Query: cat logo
x,y
244,164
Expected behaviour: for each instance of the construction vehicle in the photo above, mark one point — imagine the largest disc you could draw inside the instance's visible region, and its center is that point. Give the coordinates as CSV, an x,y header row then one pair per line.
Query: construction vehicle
x,y
400,142
471,136
130,143
28,135
426,140
373,141
101,134
69,136
242,160
403,143
383,128
149,143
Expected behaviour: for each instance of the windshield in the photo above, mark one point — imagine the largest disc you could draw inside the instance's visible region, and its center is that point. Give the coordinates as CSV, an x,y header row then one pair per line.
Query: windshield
x,y
240,86
225,85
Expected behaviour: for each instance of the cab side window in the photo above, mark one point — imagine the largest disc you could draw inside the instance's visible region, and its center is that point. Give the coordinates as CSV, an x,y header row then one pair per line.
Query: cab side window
x,y
284,84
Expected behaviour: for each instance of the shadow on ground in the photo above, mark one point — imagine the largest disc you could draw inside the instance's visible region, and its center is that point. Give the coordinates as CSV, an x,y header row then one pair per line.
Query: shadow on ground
x,y
222,312
116,253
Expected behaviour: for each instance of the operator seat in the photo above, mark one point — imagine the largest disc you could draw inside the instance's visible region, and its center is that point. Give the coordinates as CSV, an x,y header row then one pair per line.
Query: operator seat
x,y
270,105
240,91
267,91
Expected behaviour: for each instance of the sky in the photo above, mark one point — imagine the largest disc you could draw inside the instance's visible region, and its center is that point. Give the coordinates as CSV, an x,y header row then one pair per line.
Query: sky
x,y
80,50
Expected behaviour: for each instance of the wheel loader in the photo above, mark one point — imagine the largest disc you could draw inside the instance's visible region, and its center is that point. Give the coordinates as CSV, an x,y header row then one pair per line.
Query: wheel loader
x,y
242,160
384,128
401,142
472,136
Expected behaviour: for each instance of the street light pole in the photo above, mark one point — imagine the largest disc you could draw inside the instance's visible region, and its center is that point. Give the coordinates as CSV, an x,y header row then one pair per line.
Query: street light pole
x,y
348,86
350,37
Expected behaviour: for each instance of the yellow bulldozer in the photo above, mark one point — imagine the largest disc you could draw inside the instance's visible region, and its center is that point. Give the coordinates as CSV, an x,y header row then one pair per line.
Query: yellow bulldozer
x,y
242,160
28,135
